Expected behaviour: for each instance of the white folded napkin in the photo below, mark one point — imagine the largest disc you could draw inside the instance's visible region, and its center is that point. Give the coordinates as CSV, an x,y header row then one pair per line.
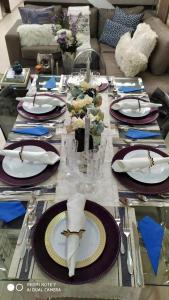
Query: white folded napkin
x,y
42,99
126,165
133,105
45,157
76,221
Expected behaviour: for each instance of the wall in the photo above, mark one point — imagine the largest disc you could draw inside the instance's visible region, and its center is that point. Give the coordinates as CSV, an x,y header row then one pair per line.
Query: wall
x,y
14,3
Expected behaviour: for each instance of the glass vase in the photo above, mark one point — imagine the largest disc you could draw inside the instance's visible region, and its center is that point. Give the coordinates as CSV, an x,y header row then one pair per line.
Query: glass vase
x,y
68,60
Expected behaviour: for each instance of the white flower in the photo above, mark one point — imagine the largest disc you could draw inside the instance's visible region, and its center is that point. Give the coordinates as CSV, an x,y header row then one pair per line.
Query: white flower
x,y
78,123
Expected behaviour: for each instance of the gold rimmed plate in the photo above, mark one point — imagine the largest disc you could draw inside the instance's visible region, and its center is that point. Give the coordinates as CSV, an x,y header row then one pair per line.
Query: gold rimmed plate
x,y
84,274
91,246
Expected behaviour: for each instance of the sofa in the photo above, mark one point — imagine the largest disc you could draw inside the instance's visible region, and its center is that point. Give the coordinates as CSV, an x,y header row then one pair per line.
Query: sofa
x,y
151,78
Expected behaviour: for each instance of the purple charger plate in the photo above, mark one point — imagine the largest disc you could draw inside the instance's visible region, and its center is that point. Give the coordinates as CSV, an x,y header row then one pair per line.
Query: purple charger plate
x,y
55,113
134,185
151,117
82,275
34,180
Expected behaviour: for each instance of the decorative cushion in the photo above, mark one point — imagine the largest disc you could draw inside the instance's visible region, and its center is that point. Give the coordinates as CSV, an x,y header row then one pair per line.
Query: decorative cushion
x,y
105,14
128,20
112,32
144,39
57,11
159,61
93,20
130,60
31,15
36,35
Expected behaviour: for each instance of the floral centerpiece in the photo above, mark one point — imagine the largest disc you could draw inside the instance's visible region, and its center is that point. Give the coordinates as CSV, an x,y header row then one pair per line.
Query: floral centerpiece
x,y
86,101
68,41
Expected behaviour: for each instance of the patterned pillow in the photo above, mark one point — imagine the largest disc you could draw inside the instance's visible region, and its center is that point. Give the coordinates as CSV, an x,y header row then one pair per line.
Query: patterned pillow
x,y
41,16
128,20
112,32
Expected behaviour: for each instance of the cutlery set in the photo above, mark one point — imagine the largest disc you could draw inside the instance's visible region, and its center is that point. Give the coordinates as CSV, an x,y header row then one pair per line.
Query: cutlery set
x,y
127,233
51,125
124,227
36,192
34,124
30,223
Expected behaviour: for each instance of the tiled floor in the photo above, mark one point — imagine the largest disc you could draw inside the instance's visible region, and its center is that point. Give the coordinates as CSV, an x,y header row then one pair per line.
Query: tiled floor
x,y
5,24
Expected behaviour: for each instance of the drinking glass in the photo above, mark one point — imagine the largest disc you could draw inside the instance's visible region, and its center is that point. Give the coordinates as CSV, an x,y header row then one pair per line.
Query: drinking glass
x,y
75,78
82,74
96,78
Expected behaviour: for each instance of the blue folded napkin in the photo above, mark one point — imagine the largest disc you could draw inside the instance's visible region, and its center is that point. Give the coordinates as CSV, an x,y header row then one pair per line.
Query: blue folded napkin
x,y
129,89
11,210
50,84
39,130
141,134
152,234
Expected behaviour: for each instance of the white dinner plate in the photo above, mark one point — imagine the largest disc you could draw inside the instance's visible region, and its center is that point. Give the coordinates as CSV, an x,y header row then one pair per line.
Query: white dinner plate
x,y
37,109
155,174
134,113
92,242
16,168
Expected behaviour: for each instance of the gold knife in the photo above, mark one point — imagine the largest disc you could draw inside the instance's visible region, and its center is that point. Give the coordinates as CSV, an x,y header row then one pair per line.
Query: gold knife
x,y
139,275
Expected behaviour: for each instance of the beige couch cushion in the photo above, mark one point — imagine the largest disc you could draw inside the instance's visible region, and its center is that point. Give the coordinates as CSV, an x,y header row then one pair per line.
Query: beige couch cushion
x,y
106,48
111,65
105,14
31,52
159,60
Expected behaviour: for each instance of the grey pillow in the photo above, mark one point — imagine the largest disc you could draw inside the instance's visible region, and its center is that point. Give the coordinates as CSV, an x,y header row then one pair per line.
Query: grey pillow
x,y
31,15
159,61
112,32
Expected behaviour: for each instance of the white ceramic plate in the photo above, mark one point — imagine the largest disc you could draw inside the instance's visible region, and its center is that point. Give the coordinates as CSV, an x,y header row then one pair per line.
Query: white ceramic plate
x,y
144,111
37,109
91,246
16,168
155,174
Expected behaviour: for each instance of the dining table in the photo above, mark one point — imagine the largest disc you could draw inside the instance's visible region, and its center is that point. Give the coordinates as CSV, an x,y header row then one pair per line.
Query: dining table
x,y
125,204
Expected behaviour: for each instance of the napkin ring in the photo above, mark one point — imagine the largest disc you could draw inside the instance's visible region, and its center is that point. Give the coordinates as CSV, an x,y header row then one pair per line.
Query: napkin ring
x,y
67,233
20,154
34,99
151,160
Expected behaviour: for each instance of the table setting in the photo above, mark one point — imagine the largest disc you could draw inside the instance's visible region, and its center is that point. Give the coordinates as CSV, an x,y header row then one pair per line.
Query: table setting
x,y
80,225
